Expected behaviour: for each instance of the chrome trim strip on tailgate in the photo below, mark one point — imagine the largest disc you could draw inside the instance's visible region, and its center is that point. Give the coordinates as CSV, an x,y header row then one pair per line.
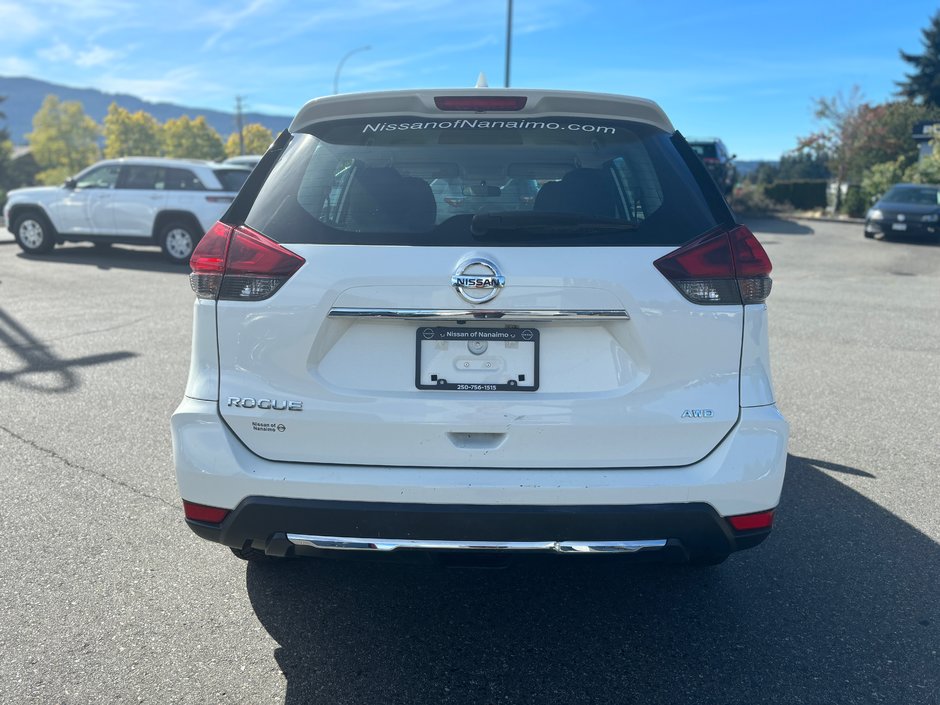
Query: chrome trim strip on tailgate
x,y
345,543
483,314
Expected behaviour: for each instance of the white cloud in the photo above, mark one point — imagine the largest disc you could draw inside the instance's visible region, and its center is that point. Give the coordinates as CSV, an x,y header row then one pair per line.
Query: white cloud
x,y
59,52
226,19
62,53
96,56
16,66
273,108
84,10
18,22
171,87
382,69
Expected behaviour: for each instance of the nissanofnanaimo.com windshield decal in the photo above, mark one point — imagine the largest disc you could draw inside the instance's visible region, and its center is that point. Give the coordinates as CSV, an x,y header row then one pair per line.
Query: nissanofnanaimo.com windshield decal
x,y
477,124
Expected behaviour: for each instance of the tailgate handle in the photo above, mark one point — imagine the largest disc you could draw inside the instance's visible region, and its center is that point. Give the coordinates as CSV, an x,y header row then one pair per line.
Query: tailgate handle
x,y
476,441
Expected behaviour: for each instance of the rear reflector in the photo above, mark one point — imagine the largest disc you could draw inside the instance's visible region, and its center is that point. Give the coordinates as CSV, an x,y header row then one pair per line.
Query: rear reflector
x,y
748,522
200,512
480,103
240,264
720,267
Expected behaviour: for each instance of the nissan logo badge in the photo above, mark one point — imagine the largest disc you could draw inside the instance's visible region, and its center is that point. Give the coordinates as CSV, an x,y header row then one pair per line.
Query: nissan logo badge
x,y
478,280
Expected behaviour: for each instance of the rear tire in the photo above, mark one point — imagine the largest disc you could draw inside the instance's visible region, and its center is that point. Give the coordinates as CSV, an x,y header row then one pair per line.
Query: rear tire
x,y
33,233
178,240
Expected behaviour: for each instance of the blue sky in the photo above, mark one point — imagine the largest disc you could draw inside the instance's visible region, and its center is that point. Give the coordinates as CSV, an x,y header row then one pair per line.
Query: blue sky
x,y
746,71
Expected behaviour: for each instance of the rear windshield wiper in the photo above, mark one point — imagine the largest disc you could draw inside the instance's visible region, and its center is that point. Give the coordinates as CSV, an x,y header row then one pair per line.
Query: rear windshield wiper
x,y
546,223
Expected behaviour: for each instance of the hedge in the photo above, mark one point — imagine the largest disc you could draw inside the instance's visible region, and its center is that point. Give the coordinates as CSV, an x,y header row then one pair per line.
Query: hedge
x,y
803,195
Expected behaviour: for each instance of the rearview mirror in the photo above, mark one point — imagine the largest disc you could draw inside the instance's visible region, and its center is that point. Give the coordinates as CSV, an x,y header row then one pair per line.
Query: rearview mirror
x,y
70,183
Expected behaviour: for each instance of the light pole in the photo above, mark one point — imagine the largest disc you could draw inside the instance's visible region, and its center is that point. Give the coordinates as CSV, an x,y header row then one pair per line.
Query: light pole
x,y
508,39
339,66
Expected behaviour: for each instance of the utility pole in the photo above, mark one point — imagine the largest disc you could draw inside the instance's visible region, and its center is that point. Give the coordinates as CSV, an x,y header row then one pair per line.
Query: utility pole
x,y
239,124
508,40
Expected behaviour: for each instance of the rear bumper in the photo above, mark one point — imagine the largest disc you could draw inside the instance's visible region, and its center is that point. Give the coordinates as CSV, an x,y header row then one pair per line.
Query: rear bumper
x,y
683,505
281,527
743,474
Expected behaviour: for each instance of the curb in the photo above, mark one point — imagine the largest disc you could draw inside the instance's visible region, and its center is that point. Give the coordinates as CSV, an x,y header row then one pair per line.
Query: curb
x,y
825,218
803,216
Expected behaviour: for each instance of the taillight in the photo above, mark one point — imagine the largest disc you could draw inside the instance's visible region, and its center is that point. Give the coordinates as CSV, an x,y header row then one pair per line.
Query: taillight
x,y
208,262
721,267
201,512
239,264
480,103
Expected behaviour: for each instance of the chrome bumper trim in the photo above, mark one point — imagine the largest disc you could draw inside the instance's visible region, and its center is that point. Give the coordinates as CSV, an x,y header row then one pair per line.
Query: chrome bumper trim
x,y
345,543
483,314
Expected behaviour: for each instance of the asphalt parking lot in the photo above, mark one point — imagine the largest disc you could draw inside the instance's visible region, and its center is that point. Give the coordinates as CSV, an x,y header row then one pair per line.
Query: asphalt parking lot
x,y
109,598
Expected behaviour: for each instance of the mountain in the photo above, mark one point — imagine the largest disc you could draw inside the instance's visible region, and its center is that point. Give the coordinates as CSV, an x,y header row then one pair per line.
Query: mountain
x,y
745,167
24,96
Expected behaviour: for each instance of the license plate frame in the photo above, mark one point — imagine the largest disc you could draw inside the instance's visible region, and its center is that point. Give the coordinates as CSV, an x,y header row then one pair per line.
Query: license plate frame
x,y
515,354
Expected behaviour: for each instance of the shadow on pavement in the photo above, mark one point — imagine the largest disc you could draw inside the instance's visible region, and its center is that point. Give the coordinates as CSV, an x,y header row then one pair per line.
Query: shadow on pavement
x,y
111,257
909,240
834,467
776,226
838,606
41,369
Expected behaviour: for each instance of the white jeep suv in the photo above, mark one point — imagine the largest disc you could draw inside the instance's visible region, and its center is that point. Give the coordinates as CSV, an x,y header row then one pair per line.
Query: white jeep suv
x,y
584,371
136,200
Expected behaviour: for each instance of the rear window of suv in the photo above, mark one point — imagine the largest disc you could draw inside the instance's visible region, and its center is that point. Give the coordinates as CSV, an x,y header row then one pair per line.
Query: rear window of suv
x,y
706,150
232,179
496,180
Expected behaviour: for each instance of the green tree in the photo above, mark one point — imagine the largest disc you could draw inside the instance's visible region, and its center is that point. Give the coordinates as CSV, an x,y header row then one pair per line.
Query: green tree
x,y
796,166
14,173
883,134
191,139
765,173
131,135
879,178
927,170
857,136
257,139
841,118
6,152
23,171
64,139
923,83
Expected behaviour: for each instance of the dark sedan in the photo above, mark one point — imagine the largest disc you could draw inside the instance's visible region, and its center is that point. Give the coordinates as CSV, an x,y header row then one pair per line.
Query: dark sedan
x,y
909,210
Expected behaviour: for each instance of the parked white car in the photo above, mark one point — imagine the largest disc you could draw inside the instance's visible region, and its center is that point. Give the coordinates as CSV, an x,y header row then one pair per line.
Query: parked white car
x,y
138,200
580,367
249,160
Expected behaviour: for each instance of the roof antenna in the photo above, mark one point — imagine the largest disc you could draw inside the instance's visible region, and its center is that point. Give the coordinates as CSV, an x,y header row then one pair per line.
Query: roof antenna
x,y
481,81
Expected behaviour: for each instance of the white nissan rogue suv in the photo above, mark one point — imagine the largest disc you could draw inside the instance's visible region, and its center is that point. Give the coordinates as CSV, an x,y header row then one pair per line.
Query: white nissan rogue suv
x,y
493,320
